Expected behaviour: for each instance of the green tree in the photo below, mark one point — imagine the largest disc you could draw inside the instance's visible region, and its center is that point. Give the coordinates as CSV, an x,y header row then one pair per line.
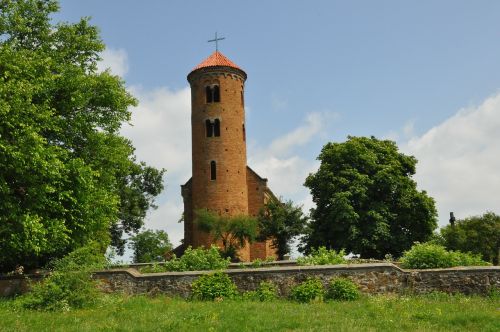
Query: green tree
x,y
477,234
233,232
66,175
366,200
150,246
281,222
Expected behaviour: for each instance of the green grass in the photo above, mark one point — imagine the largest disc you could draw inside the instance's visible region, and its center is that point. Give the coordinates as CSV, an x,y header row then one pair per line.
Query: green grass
x,y
378,313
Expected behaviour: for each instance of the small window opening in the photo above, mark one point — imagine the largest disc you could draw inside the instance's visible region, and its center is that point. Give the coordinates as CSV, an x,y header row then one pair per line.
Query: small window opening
x,y
242,99
244,133
213,170
209,94
209,128
216,128
216,91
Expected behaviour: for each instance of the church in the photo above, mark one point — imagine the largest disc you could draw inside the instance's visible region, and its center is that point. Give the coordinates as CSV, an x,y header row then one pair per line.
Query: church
x,y
221,180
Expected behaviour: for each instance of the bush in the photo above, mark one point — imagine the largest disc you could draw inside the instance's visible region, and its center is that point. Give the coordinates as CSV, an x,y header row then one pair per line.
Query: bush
x,y
69,284
342,289
432,256
323,256
267,291
307,291
198,259
213,286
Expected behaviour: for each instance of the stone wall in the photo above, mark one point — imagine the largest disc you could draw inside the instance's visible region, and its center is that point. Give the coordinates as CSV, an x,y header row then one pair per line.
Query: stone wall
x,y
371,278
376,278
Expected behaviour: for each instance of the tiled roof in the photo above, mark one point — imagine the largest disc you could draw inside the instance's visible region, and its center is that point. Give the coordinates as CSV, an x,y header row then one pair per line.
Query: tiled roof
x,y
216,59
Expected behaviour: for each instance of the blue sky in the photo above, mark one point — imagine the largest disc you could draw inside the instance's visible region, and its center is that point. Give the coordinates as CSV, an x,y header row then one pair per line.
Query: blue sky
x,y
424,73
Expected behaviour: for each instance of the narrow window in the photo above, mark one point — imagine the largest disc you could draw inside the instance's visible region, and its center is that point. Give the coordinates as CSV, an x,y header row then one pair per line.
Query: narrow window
x,y
242,99
213,170
208,92
217,128
244,133
216,91
209,128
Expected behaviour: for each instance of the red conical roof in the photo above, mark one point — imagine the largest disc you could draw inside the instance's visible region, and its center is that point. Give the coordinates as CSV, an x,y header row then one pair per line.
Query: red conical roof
x,y
215,60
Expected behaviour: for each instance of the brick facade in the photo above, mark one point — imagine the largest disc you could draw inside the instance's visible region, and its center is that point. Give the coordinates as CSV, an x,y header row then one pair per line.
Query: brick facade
x,y
236,188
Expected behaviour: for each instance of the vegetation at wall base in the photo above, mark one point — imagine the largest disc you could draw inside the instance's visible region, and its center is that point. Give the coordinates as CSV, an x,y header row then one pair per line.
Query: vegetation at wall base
x,y
310,290
213,286
433,256
323,256
342,289
369,313
69,284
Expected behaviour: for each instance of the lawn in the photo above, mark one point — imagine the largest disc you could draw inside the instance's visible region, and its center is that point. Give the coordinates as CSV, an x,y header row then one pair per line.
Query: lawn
x,y
436,312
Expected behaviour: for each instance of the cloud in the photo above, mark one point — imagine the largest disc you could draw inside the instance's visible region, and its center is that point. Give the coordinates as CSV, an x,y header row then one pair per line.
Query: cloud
x,y
161,134
459,161
282,163
114,59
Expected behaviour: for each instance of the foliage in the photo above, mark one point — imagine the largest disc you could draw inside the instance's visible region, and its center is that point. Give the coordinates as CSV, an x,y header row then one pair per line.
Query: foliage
x,y
198,259
256,263
66,175
267,291
307,291
214,286
323,256
281,222
432,256
69,284
232,232
342,289
478,234
150,246
366,200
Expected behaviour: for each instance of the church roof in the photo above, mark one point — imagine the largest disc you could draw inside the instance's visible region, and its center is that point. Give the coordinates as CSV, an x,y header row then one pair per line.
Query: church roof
x,y
215,60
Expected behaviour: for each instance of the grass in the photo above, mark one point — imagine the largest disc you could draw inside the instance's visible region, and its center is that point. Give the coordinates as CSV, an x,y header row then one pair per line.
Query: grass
x,y
435,312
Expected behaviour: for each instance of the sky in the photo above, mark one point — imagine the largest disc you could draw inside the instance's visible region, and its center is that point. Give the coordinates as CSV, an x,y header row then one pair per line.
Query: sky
x,y
425,74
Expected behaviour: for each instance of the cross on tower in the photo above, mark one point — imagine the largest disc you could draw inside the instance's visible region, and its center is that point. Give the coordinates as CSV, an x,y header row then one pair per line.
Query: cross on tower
x,y
216,40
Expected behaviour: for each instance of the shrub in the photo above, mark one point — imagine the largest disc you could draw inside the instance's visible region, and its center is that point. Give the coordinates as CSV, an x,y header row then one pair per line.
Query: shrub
x,y
267,291
198,259
342,289
307,291
431,256
213,286
323,256
69,285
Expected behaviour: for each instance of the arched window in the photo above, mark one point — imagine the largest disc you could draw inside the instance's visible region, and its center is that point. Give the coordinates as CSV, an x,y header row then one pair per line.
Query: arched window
x,y
216,91
213,170
212,94
217,128
244,133
209,128
209,94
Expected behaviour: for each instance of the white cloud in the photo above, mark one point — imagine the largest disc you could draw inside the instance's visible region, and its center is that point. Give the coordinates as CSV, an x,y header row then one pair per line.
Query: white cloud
x,y
114,59
459,161
161,134
282,163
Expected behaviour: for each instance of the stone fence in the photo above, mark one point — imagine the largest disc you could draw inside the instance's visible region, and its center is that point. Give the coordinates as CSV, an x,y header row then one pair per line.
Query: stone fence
x,y
377,278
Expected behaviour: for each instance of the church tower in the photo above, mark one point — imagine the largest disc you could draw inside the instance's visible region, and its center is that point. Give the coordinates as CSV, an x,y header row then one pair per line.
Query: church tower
x,y
220,179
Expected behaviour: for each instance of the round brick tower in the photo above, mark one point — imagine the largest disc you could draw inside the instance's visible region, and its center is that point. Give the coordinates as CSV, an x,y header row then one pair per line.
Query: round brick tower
x,y
219,181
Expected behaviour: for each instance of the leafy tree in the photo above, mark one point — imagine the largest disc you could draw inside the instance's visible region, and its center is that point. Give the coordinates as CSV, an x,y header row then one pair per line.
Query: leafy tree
x,y
281,222
232,232
478,234
366,200
149,246
66,175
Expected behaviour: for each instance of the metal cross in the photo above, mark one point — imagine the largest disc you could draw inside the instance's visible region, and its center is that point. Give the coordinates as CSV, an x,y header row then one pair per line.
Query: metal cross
x,y
216,40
